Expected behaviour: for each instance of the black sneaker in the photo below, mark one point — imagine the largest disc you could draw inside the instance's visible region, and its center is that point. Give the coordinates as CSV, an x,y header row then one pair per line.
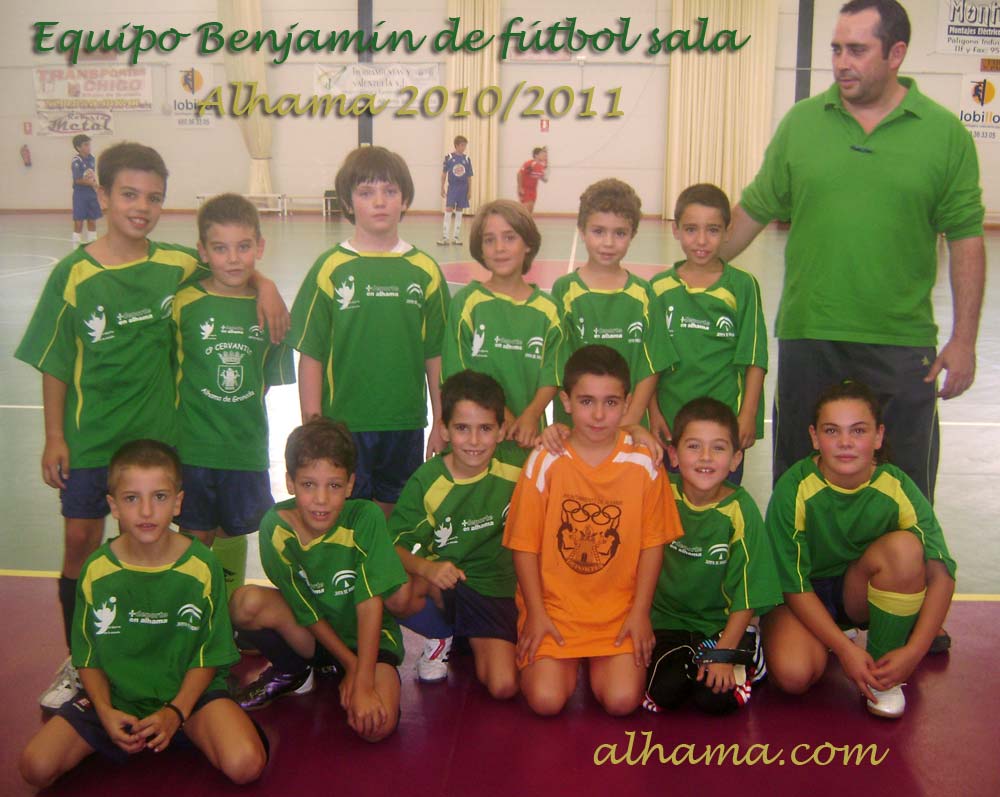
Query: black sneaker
x,y
271,685
941,643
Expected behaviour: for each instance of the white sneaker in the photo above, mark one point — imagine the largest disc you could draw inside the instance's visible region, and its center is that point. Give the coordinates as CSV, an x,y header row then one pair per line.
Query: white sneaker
x,y
443,242
891,703
63,688
456,241
433,662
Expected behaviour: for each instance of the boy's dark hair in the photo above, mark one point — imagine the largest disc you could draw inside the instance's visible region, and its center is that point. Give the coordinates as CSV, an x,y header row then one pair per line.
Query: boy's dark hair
x,y
849,389
479,388
79,140
460,140
320,438
370,165
129,155
228,209
595,360
610,196
146,454
893,26
517,216
706,194
706,408
538,151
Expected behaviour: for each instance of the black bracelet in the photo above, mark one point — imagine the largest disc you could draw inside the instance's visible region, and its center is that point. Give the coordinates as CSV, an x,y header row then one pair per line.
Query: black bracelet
x,y
177,711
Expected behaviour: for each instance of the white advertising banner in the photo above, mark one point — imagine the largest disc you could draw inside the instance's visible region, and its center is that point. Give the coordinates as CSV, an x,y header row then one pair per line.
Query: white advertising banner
x,y
969,27
77,88
187,86
70,123
383,81
979,108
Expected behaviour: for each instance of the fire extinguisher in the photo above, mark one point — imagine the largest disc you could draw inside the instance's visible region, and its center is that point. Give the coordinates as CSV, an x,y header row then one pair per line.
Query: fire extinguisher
x,y
26,155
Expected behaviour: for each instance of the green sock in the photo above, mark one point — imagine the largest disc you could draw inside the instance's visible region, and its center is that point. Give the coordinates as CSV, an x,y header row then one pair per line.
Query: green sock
x,y
232,555
891,617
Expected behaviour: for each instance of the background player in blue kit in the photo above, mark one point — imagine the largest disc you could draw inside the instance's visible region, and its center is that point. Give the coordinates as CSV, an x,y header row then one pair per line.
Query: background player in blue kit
x,y
456,188
86,208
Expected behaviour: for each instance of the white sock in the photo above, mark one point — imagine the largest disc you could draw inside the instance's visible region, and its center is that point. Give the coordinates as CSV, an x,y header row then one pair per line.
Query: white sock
x,y
76,239
91,236
458,224
446,226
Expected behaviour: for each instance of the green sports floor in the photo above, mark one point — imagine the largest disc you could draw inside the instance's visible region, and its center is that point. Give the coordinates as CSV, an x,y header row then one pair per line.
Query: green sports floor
x,y
968,500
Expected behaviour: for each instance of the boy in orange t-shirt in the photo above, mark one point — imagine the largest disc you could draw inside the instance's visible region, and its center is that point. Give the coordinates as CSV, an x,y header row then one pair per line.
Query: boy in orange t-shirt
x,y
587,529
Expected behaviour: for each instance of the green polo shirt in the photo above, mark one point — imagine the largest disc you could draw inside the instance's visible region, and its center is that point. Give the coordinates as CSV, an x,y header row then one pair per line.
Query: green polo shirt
x,y
866,209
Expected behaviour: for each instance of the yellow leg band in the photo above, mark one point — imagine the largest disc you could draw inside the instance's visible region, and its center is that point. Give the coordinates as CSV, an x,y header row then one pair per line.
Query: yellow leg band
x,y
901,604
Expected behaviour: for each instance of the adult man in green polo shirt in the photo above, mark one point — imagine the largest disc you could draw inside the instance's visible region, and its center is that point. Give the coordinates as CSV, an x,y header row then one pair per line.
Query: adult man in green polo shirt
x,y
870,173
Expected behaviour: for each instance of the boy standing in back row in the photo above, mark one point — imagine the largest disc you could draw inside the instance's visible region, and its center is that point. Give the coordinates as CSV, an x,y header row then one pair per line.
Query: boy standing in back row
x,y
369,321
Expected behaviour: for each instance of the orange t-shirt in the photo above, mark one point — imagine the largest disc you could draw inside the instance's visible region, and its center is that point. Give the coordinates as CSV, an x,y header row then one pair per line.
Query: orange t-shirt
x,y
587,525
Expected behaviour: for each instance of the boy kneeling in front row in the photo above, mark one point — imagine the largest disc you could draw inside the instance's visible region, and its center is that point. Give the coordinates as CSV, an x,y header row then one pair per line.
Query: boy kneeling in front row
x,y
334,565
151,639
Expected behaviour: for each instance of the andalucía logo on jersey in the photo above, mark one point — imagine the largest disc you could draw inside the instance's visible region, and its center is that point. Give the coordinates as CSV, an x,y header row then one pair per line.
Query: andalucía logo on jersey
x,y
189,617
104,617
208,329
725,327
635,332
230,372
535,347
415,294
478,339
95,325
345,293
343,582
717,554
443,534
588,537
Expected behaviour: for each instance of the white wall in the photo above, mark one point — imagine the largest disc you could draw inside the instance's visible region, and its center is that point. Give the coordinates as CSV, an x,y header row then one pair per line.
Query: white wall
x,y
306,152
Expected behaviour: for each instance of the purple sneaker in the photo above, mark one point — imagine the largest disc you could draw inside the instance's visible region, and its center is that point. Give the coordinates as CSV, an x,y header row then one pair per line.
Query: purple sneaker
x,y
270,685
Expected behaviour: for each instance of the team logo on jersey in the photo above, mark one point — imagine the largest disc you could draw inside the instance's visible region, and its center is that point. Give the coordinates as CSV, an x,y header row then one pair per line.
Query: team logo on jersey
x,y
535,347
724,324
345,293
189,617
635,332
167,306
95,325
717,554
207,328
581,327
588,536
229,374
343,582
104,617
669,318
415,294
256,332
315,587
443,534
478,340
